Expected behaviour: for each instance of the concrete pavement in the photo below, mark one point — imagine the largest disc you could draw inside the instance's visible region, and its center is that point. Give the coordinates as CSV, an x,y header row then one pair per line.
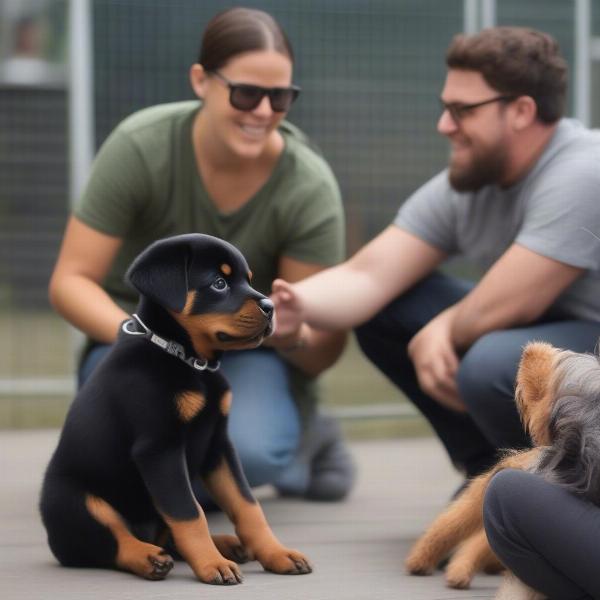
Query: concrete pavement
x,y
357,546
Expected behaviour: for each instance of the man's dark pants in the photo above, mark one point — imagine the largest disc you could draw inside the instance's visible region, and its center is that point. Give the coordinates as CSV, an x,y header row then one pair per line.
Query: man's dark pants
x,y
486,376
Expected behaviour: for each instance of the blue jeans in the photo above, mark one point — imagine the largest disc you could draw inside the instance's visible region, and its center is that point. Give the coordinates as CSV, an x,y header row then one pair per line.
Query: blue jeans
x,y
264,423
544,534
486,376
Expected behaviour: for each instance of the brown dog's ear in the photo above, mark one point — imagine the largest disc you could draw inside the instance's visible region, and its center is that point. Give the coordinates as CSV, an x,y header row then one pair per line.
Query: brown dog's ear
x,y
160,272
534,393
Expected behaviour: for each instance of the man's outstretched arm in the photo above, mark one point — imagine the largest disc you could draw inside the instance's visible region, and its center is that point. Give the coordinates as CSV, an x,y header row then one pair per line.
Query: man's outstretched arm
x,y
349,294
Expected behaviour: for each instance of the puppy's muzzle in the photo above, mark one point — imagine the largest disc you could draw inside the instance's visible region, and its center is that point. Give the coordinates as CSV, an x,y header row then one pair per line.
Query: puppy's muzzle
x,y
255,326
268,309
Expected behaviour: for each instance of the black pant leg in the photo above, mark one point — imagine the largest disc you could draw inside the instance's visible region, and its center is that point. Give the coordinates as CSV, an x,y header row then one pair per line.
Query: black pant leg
x,y
384,340
547,536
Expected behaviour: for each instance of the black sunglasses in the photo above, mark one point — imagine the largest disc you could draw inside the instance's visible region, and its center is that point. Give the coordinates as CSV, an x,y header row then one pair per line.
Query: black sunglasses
x,y
458,111
246,97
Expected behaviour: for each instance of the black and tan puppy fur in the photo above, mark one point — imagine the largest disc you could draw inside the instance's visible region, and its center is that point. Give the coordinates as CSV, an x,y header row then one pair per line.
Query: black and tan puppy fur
x,y
152,419
557,397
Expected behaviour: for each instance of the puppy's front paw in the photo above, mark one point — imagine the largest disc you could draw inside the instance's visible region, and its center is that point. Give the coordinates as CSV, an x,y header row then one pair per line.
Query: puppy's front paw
x,y
219,571
285,562
459,575
419,562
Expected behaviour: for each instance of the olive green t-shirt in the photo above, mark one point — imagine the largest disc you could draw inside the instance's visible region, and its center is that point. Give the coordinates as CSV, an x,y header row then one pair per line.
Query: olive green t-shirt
x,y
145,185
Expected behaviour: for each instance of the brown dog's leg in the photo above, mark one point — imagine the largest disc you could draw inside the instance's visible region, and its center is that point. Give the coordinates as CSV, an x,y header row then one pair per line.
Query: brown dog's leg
x,y
228,545
192,539
143,559
251,525
472,556
460,520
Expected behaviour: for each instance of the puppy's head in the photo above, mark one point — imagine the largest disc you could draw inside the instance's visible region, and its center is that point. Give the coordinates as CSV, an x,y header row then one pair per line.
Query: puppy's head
x,y
564,416
204,282
549,379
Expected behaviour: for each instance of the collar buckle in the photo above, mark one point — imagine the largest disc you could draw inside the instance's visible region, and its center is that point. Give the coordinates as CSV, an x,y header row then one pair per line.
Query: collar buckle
x,y
203,365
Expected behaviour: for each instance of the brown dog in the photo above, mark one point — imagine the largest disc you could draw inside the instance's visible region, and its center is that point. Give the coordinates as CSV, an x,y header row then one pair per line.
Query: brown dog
x,y
554,390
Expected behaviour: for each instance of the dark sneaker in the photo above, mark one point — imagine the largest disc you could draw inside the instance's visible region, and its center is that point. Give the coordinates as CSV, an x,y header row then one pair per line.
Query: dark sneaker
x,y
330,468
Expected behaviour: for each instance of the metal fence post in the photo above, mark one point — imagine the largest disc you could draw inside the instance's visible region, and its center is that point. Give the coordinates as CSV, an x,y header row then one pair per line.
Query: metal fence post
x,y
81,101
582,75
478,14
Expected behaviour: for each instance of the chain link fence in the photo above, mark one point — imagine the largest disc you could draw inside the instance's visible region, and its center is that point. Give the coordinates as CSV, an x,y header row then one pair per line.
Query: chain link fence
x,y
371,73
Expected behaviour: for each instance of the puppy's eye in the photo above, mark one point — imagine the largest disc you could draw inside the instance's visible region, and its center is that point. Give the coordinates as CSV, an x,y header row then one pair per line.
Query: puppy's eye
x,y
219,284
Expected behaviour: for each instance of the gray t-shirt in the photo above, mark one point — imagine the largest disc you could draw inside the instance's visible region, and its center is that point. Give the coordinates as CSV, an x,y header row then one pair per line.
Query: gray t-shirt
x,y
554,211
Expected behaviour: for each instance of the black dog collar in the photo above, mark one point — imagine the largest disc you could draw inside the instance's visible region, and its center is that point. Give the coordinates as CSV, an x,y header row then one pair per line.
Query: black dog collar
x,y
169,346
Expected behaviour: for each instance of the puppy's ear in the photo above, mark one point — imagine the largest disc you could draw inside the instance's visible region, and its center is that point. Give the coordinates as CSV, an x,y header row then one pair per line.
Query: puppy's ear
x,y
161,272
535,371
534,390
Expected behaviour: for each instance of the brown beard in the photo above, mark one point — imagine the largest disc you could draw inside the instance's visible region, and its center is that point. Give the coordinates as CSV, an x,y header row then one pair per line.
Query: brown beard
x,y
485,169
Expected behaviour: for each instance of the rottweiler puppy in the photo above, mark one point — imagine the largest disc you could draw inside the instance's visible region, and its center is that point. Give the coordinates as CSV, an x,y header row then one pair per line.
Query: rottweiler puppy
x,y
153,418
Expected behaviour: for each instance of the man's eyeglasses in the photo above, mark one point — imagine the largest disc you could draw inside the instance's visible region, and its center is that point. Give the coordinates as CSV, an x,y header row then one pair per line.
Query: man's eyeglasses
x,y
458,111
246,97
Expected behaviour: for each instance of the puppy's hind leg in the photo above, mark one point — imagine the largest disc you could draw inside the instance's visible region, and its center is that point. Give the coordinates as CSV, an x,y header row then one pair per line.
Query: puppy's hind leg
x,y
75,538
84,531
141,558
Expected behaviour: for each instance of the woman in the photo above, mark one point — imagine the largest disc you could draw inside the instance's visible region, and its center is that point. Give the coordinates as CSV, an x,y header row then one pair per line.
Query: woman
x,y
230,166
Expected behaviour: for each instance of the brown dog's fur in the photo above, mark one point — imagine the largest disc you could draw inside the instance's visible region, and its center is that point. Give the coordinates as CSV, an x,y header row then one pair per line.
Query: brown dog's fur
x,y
460,527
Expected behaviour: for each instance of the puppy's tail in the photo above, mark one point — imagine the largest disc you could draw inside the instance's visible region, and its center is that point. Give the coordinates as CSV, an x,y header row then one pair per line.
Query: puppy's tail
x,y
573,459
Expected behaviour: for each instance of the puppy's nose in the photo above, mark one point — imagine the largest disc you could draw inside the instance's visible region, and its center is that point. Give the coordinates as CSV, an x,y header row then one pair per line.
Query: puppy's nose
x,y
267,307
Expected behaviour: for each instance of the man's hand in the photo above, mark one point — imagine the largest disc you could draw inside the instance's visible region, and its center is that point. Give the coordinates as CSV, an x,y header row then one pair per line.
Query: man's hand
x,y
436,362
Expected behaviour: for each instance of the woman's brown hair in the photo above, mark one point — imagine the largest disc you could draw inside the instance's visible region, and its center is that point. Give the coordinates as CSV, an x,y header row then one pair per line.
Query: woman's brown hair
x,y
238,30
